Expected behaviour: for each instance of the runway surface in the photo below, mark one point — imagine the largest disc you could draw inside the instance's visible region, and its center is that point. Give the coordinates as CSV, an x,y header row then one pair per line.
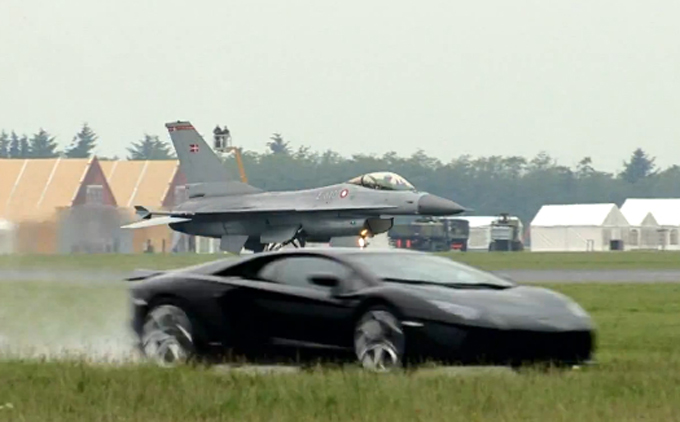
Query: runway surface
x,y
589,276
520,276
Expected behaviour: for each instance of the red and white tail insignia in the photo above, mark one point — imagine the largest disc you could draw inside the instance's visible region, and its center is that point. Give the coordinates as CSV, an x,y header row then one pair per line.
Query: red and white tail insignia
x,y
176,128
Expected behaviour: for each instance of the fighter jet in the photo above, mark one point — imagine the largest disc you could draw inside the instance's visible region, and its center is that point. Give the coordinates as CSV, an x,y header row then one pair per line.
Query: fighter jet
x,y
245,217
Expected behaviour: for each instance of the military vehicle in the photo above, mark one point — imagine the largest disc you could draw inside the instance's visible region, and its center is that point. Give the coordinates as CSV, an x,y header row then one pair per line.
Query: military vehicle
x,y
506,234
243,216
431,234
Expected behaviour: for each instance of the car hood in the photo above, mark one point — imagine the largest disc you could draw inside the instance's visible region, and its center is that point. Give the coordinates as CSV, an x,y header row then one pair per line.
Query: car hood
x,y
519,307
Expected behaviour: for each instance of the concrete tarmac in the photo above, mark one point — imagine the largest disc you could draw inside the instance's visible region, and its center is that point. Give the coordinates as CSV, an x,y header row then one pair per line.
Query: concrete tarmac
x,y
590,276
520,276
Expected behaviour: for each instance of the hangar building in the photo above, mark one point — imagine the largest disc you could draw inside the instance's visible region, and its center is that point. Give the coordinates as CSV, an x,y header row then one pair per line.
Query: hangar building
x,y
7,237
579,227
155,184
57,205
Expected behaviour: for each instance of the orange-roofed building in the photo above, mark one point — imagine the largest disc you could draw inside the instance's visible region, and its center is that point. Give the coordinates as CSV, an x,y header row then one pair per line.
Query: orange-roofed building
x,y
154,184
59,205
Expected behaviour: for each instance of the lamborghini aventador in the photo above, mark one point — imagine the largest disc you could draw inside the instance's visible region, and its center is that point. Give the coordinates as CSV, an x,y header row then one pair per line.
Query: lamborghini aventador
x,y
380,308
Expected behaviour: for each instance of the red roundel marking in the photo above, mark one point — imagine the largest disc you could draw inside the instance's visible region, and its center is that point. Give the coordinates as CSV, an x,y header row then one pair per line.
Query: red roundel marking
x,y
344,193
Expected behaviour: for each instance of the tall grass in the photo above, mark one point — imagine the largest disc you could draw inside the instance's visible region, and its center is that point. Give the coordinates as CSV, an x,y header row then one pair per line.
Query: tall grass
x,y
74,391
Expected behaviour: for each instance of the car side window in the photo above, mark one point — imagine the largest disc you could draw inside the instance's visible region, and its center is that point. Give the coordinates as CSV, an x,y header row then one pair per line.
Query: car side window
x,y
270,270
250,269
294,271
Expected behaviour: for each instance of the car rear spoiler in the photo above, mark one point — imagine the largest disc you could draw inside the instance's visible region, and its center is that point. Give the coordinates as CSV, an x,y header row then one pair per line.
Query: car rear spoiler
x,y
142,274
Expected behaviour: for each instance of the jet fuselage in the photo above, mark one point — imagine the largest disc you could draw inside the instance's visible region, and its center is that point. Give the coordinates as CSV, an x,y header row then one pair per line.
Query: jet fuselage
x,y
321,219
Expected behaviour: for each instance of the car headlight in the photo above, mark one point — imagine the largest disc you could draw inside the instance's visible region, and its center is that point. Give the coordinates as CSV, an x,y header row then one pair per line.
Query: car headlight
x,y
459,310
577,310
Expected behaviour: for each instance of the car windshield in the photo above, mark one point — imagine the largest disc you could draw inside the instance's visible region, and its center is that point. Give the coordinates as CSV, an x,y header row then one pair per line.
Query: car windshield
x,y
425,268
382,180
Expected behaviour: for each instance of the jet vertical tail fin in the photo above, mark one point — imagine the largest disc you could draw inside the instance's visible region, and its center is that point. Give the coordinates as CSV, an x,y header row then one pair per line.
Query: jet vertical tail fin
x,y
204,170
199,163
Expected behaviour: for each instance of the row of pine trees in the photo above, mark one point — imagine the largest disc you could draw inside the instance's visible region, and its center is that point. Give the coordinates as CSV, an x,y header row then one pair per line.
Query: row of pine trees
x,y
83,145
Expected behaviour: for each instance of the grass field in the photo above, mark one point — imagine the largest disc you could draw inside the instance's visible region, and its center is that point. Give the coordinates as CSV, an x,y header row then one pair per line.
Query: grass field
x,y
637,376
489,261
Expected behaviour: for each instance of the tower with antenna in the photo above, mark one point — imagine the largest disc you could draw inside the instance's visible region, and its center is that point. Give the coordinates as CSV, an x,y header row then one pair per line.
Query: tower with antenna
x,y
221,140
222,144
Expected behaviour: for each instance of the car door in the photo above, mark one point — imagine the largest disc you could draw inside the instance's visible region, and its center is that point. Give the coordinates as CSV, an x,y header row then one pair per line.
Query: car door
x,y
300,311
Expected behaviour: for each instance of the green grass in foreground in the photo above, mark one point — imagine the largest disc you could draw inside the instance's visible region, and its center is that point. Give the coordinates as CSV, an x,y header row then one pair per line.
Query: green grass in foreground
x,y
637,377
489,261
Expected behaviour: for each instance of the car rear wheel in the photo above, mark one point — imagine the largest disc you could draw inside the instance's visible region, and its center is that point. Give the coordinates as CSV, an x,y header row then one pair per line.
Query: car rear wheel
x,y
379,340
167,336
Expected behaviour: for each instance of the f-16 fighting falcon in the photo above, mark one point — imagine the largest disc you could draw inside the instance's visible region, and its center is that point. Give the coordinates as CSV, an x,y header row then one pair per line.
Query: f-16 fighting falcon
x,y
243,216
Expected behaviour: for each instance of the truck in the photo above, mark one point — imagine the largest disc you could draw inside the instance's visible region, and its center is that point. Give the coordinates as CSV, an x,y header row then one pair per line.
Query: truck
x,y
431,234
506,234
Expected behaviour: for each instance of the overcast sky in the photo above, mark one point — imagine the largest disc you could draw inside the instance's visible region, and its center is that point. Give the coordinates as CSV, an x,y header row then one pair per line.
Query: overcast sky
x,y
573,78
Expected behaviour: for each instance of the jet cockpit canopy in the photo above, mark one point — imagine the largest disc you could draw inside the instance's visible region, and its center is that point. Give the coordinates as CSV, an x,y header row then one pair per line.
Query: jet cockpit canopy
x,y
382,180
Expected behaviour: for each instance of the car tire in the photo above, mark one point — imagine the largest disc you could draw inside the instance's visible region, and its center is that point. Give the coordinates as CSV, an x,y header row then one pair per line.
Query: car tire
x,y
167,336
379,340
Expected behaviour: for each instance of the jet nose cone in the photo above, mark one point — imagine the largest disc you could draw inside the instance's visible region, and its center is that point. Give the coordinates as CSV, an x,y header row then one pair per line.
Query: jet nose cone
x,y
436,206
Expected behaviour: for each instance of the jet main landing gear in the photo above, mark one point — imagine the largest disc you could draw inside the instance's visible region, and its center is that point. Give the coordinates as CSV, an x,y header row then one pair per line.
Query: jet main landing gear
x,y
298,241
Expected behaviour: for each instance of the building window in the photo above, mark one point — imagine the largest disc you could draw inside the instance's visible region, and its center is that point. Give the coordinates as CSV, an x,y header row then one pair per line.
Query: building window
x,y
94,194
181,194
674,237
634,236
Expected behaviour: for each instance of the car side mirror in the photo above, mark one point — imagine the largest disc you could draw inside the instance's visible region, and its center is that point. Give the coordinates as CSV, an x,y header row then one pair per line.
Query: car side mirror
x,y
325,280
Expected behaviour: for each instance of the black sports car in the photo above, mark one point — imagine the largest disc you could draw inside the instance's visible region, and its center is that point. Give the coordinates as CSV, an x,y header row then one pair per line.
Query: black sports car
x,y
382,308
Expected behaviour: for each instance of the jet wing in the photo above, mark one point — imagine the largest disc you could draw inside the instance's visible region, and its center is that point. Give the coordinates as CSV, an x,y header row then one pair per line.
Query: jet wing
x,y
179,217
155,222
147,214
248,210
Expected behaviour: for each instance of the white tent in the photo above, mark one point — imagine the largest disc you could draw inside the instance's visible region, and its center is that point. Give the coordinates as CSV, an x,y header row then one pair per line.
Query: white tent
x,y
666,213
480,230
7,237
577,227
644,229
